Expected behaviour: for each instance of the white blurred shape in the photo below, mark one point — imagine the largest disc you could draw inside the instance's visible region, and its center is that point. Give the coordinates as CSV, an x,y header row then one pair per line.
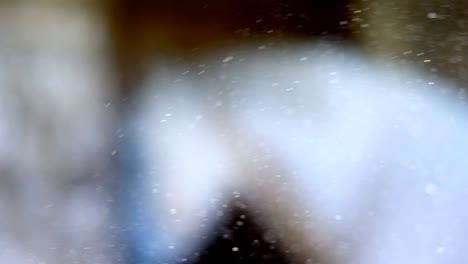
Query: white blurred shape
x,y
358,151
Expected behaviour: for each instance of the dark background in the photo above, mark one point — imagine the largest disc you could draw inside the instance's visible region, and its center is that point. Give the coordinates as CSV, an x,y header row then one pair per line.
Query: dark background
x,y
142,30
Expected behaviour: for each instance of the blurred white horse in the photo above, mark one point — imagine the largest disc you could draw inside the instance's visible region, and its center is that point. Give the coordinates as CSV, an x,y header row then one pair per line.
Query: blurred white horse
x,y
347,159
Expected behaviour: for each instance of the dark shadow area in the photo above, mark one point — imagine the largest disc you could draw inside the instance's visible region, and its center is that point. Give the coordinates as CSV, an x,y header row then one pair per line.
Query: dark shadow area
x,y
141,31
242,240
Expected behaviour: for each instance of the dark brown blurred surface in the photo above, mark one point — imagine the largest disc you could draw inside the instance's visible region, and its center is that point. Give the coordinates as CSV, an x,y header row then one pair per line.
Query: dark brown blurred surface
x,y
143,29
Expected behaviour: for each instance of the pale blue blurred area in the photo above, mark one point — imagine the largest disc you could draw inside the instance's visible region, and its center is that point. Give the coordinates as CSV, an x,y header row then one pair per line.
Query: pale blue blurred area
x,y
142,235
